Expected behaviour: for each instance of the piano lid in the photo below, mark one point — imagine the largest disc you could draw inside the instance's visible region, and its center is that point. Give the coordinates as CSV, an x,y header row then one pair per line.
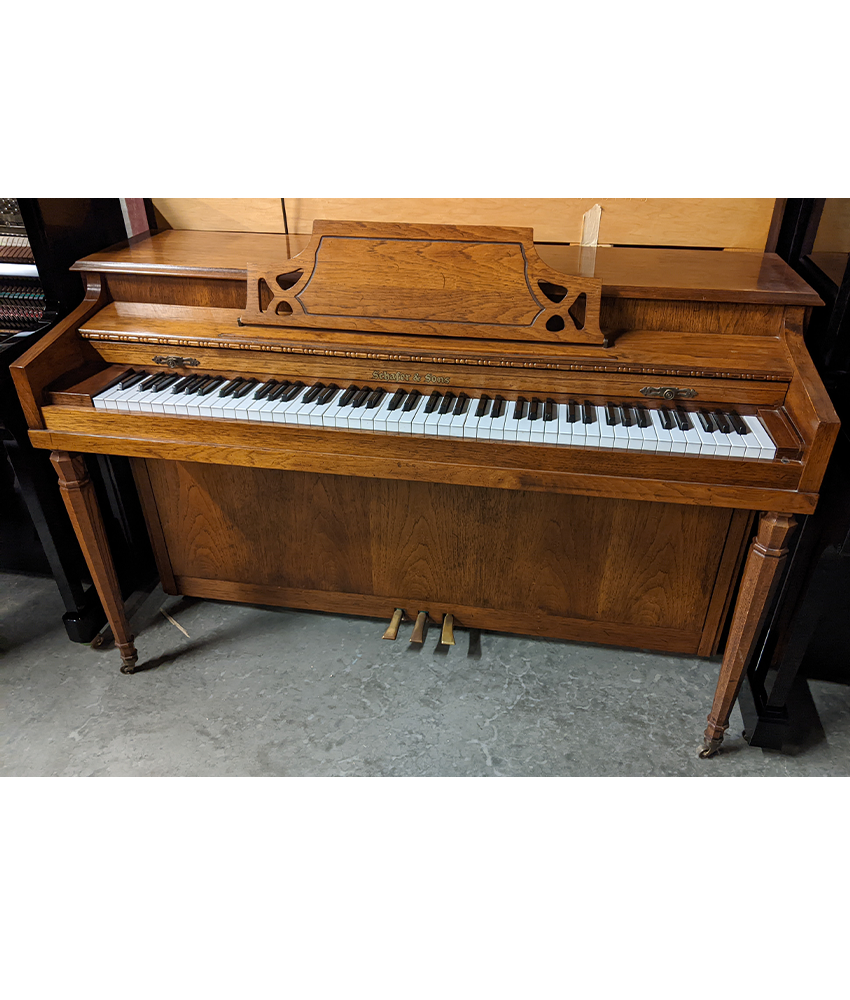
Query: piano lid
x,y
641,273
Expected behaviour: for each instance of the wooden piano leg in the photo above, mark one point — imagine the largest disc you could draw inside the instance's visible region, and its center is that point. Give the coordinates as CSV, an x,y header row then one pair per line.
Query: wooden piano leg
x,y
762,573
79,496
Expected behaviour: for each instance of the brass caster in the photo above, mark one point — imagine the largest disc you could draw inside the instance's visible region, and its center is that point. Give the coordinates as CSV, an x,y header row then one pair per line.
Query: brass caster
x,y
709,748
98,641
128,668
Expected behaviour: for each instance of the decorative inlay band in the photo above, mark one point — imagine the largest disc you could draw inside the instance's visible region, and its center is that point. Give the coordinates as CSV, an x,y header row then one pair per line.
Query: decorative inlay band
x,y
502,362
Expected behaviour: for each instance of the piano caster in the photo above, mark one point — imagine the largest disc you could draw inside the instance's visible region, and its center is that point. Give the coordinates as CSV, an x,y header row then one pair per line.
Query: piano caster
x,y
395,621
419,628
447,636
129,656
709,748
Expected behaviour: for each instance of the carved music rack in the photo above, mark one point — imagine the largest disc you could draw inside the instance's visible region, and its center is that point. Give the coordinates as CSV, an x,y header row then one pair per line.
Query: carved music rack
x,y
444,281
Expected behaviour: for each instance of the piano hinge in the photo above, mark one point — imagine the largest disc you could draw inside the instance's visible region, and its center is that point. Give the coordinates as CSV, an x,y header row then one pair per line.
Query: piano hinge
x,y
668,392
172,361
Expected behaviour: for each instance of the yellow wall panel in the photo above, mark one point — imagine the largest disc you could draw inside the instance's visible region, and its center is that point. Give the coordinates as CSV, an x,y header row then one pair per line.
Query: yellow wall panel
x,y
741,223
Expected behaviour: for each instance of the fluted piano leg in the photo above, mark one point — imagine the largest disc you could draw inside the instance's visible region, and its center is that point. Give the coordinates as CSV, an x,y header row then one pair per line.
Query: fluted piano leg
x,y
80,499
762,573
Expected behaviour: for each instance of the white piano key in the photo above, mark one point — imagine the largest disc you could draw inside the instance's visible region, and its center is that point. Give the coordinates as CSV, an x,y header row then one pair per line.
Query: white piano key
x,y
708,446
693,444
405,421
757,429
649,434
606,430
493,428
664,436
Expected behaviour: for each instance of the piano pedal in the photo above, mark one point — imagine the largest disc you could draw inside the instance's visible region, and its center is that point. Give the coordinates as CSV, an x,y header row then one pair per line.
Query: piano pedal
x,y
419,628
447,636
395,621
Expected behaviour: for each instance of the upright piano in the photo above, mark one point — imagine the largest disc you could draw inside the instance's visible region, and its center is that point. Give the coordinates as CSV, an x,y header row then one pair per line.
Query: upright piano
x,y
447,424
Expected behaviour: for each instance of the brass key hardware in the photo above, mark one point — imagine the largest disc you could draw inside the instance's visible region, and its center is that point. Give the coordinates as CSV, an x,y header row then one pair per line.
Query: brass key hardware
x,y
447,636
172,361
419,627
668,392
395,621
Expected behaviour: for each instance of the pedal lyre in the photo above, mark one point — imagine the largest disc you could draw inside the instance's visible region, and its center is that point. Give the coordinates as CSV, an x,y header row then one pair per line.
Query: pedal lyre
x,y
447,636
419,627
395,621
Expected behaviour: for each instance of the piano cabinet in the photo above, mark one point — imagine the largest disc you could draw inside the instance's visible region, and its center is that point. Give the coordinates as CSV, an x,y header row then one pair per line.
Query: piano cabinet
x,y
629,544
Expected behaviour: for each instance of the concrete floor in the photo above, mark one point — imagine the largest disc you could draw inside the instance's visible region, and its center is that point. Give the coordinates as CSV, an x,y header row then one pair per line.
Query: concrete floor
x,y
259,691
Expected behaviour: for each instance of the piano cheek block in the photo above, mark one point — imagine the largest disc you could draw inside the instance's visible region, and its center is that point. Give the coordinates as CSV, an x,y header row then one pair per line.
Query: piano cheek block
x,y
551,496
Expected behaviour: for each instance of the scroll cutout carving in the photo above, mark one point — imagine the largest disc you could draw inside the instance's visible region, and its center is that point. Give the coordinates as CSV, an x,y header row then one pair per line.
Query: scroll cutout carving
x,y
448,281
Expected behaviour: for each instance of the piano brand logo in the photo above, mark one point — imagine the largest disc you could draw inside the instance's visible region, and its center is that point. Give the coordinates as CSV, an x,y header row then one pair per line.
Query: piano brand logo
x,y
410,377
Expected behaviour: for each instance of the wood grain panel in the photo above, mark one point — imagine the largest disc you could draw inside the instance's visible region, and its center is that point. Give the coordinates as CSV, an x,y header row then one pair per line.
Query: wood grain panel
x,y
532,554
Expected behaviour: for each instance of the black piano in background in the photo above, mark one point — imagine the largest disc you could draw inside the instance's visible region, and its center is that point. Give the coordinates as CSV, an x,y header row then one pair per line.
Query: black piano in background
x,y
808,630
39,240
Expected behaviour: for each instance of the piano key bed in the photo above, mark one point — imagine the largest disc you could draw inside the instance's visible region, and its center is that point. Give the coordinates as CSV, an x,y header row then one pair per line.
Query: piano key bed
x,y
576,423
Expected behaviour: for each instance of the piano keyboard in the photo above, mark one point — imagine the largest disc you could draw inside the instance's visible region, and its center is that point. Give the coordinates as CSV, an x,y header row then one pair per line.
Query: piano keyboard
x,y
374,408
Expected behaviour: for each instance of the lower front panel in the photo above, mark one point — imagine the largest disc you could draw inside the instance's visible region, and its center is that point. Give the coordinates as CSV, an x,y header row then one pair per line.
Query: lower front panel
x,y
627,572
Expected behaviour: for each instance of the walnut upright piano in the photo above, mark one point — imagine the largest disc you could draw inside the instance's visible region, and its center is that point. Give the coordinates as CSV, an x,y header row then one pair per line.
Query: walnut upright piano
x,y
436,421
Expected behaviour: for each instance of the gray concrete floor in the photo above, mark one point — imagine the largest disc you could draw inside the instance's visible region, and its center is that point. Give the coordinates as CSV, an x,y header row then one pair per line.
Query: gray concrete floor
x,y
260,691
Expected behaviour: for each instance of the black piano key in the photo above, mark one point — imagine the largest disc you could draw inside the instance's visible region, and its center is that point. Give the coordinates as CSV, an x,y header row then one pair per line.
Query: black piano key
x,y
460,405
498,407
375,398
134,380
118,380
572,412
410,402
533,408
446,404
738,424
666,418
550,410
361,397
682,419
626,415
588,412
612,414
195,383
231,386
519,408
481,409
181,385
706,421
721,421
245,388
641,416
313,392
211,386
396,401
328,395
348,395
265,389
433,401
156,377
293,391
165,383
279,390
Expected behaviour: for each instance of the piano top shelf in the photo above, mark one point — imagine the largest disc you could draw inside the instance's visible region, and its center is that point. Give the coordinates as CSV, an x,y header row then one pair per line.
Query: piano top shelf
x,y
626,272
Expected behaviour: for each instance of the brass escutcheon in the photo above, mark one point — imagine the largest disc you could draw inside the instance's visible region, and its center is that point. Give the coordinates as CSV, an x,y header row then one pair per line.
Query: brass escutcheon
x,y
668,392
172,361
